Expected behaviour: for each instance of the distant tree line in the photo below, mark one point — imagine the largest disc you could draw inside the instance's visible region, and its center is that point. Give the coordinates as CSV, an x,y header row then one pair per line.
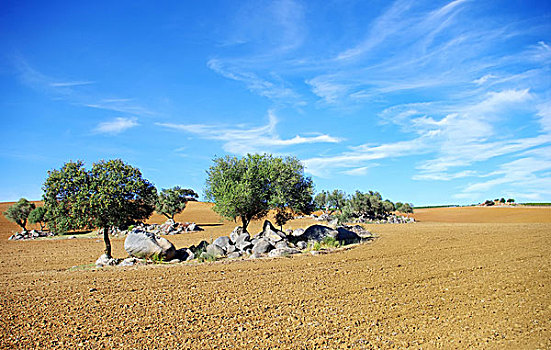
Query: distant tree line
x,y
369,205
489,202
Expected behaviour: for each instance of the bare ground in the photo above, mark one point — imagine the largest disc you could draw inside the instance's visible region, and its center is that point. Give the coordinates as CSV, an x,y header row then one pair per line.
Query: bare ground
x,y
432,284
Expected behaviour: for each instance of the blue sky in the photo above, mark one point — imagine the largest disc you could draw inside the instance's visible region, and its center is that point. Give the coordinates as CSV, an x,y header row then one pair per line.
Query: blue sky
x,y
429,102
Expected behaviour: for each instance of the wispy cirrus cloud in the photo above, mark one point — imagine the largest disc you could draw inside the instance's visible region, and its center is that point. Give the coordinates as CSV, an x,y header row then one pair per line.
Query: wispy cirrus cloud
x,y
69,91
243,140
451,144
71,83
116,126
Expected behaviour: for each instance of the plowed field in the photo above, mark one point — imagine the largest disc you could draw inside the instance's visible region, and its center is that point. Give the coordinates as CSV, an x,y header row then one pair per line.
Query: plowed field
x,y
454,280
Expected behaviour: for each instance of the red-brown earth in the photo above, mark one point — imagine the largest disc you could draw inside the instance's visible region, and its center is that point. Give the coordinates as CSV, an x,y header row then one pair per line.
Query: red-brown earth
x,y
458,278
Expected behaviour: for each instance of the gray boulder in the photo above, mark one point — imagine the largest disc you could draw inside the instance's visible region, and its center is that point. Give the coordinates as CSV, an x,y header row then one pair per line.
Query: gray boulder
x,y
279,252
243,245
262,246
234,255
271,233
302,245
237,231
215,250
297,232
282,244
318,233
141,244
223,242
347,236
230,249
104,260
131,262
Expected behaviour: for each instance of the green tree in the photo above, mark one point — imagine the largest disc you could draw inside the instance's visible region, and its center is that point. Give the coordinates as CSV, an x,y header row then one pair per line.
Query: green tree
x,y
502,200
172,201
406,208
510,200
38,216
321,201
336,200
66,198
111,194
119,196
19,212
247,188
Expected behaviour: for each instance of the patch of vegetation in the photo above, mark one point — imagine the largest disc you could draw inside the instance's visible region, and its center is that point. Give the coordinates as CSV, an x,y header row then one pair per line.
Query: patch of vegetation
x,y
330,242
537,204
206,257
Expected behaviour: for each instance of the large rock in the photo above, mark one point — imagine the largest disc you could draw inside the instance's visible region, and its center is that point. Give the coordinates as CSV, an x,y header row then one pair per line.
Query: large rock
x,y
279,252
243,245
215,250
141,244
104,260
347,236
271,233
262,246
317,233
237,231
223,242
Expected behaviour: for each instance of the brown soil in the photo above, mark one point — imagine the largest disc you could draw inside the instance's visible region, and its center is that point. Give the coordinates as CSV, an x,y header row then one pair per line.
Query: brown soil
x,y
425,285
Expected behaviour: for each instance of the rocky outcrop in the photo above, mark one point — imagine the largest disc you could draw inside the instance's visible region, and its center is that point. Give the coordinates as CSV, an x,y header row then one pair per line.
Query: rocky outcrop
x,y
32,234
143,244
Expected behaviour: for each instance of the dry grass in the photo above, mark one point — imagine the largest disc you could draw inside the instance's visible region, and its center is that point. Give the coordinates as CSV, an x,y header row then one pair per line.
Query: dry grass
x,y
425,285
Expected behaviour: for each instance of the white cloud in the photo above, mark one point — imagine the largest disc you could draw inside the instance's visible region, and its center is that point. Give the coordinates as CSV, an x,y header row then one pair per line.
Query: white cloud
x,y
484,79
71,83
453,142
241,140
263,87
116,126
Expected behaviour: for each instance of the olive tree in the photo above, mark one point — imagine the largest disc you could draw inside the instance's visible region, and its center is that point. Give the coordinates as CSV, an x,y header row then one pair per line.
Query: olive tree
x,y
38,216
172,201
111,194
19,212
248,187
406,208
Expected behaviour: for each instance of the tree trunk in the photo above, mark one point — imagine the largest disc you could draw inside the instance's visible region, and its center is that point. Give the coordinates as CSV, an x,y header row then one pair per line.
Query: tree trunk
x,y
107,242
22,224
245,222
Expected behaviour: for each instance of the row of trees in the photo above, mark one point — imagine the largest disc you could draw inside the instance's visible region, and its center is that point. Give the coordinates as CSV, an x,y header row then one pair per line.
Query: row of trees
x,y
114,194
367,205
110,194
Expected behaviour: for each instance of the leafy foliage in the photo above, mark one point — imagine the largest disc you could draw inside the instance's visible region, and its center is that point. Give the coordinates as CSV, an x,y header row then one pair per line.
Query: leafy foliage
x,y
174,200
330,202
249,187
111,194
19,212
38,216
406,208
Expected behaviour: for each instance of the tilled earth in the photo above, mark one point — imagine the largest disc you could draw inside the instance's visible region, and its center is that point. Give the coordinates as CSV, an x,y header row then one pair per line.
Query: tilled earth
x,y
422,285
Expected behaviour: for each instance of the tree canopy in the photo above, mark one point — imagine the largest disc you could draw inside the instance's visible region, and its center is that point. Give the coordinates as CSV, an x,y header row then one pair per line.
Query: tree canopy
x,y
38,216
19,212
330,202
248,187
111,194
172,201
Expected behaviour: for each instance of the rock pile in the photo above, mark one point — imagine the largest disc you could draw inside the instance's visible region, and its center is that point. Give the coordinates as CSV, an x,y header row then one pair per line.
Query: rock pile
x,y
270,242
32,234
170,227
